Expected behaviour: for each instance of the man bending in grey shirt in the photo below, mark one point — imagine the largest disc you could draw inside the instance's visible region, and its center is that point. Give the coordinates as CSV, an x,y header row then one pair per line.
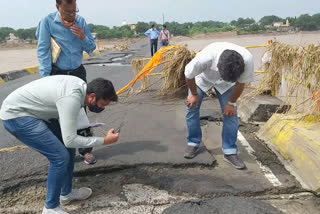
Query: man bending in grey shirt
x,y
26,114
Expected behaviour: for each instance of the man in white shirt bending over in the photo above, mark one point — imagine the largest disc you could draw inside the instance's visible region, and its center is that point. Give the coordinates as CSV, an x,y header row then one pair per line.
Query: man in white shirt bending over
x,y
226,67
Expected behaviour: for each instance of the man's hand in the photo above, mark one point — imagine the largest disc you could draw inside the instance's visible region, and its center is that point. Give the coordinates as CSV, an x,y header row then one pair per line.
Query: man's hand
x,y
192,100
111,137
229,110
78,32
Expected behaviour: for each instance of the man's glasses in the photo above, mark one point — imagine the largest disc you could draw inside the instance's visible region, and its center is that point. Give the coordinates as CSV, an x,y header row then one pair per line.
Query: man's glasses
x,y
71,13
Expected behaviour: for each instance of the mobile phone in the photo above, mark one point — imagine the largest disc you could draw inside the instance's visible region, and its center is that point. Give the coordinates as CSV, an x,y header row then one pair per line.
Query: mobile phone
x,y
117,130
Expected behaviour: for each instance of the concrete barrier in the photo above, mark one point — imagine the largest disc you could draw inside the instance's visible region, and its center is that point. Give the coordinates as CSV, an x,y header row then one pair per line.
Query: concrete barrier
x,y
259,109
32,70
12,75
297,143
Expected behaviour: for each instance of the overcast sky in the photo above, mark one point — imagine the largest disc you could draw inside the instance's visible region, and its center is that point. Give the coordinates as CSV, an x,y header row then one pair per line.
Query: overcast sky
x,y
27,13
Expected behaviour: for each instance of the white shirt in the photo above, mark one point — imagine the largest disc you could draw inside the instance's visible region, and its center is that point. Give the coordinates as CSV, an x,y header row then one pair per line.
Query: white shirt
x,y
206,73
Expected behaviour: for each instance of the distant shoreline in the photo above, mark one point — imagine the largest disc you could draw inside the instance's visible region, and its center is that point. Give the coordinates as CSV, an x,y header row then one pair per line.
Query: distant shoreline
x,y
111,42
16,58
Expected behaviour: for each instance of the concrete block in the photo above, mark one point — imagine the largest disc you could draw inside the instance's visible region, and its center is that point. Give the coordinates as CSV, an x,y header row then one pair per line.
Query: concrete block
x,y
260,109
85,56
96,53
13,75
297,143
33,70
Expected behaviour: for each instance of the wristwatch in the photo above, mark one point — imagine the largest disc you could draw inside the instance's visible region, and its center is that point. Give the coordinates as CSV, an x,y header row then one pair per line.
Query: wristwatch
x,y
232,104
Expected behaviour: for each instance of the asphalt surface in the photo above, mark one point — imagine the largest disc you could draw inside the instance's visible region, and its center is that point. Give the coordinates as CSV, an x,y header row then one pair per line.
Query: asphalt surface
x,y
150,152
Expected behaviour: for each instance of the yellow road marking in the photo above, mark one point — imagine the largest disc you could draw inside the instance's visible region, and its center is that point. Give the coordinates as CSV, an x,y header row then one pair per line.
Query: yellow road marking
x,y
12,149
257,46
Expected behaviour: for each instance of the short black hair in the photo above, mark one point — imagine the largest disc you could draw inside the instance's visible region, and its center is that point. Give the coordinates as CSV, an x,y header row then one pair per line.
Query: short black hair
x,y
59,2
153,26
230,65
165,26
103,89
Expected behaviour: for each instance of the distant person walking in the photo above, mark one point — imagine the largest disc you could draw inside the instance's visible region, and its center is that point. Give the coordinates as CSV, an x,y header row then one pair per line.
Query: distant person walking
x,y
164,36
153,34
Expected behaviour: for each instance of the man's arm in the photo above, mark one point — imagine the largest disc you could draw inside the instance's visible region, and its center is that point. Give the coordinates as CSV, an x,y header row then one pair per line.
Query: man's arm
x,y
84,35
194,68
69,108
191,83
147,33
193,98
88,43
237,91
230,108
43,51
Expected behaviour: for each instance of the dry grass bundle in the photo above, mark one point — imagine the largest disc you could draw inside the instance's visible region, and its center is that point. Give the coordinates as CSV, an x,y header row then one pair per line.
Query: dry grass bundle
x,y
137,66
121,47
174,63
294,73
172,66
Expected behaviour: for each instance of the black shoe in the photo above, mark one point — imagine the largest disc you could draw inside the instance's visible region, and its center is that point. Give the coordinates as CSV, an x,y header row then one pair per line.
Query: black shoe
x,y
191,152
235,161
89,159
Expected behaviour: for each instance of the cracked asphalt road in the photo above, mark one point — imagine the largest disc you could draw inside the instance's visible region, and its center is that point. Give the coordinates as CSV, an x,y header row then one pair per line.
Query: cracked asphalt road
x,y
146,172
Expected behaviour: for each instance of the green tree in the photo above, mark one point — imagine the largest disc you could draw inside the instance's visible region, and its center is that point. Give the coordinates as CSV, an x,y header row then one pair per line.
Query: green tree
x,y
103,32
233,23
26,33
91,27
178,29
242,23
307,22
4,32
268,20
292,20
142,27
255,28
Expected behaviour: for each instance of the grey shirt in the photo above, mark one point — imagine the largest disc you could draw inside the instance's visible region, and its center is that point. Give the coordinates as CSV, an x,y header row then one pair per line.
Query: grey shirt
x,y
53,97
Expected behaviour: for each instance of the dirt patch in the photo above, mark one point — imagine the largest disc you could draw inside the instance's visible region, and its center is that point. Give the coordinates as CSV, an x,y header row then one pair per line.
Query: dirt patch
x,y
115,44
18,46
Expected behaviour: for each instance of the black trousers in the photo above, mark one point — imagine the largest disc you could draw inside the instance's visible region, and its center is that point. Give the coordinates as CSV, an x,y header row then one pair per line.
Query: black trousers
x,y
154,46
82,74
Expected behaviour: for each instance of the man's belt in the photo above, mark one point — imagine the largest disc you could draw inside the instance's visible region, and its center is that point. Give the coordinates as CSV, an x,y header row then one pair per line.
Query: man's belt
x,y
57,71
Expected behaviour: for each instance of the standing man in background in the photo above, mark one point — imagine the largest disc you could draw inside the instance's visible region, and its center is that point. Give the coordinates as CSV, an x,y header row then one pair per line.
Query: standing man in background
x,y
72,34
153,34
164,36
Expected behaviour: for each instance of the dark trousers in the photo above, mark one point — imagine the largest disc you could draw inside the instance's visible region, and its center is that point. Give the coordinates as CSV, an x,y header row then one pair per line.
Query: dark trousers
x,y
82,74
154,46
164,43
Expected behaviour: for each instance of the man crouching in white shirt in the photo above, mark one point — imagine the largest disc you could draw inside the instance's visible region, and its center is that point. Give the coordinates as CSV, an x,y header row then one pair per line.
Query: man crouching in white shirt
x,y
226,67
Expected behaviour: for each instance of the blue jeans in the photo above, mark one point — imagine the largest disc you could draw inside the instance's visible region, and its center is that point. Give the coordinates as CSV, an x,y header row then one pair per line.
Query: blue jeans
x,y
164,43
46,138
230,124
154,46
